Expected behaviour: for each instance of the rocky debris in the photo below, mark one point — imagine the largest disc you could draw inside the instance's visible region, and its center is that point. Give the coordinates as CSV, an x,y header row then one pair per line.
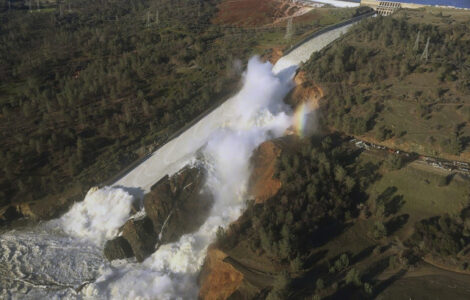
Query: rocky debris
x,y
158,203
304,92
8,214
175,206
44,209
118,248
48,209
218,279
141,237
178,202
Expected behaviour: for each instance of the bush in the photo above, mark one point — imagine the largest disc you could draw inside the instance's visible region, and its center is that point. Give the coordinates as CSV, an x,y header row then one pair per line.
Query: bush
x,y
395,162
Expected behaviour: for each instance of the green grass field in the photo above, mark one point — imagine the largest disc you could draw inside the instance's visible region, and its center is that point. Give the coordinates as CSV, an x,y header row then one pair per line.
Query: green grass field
x,y
423,197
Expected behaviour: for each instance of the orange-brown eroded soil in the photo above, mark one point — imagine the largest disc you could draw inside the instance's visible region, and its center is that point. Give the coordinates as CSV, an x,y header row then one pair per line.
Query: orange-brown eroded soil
x,y
250,13
304,92
263,185
218,279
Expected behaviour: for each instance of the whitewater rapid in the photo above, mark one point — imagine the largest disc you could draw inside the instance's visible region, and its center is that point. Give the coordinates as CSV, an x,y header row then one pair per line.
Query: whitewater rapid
x,y
63,258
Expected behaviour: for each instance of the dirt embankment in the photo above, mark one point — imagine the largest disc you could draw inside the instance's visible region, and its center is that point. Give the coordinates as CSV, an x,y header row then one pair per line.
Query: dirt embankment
x,y
219,279
255,13
273,55
263,183
304,92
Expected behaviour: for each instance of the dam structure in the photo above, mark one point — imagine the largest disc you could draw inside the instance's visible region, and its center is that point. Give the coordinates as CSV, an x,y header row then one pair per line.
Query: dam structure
x,y
414,4
171,157
63,258
302,51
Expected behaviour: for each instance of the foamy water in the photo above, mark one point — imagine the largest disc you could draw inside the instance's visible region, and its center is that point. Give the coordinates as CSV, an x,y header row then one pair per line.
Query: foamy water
x,y
67,252
63,258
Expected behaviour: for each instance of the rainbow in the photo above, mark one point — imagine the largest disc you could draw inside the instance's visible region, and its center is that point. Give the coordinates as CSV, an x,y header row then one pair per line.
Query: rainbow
x,y
301,116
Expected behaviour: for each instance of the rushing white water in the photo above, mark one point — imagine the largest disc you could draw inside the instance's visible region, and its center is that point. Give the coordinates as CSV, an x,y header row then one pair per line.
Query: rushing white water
x,y
63,258
99,216
255,115
226,142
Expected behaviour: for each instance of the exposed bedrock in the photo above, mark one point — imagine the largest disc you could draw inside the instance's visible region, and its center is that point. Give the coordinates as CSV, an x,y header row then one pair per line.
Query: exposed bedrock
x,y
175,206
141,237
37,210
118,248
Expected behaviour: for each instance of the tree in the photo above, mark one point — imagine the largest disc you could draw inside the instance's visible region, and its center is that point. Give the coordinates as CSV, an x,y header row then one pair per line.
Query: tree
x,y
368,288
296,264
320,284
80,149
379,230
280,286
220,234
353,277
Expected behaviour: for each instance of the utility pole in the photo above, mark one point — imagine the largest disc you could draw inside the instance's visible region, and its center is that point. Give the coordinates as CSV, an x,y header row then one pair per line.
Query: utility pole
x,y
426,51
148,19
289,29
417,41
38,6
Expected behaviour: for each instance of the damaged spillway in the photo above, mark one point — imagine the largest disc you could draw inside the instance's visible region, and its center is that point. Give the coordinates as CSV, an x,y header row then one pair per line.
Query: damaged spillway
x,y
220,145
64,258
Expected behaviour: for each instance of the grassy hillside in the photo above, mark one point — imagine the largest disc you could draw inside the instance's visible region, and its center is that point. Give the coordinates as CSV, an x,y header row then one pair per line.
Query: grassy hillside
x,y
378,84
346,224
354,224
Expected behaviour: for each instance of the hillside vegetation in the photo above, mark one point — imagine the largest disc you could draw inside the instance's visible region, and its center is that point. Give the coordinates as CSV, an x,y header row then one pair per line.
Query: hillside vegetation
x,y
350,223
87,88
379,84
347,224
